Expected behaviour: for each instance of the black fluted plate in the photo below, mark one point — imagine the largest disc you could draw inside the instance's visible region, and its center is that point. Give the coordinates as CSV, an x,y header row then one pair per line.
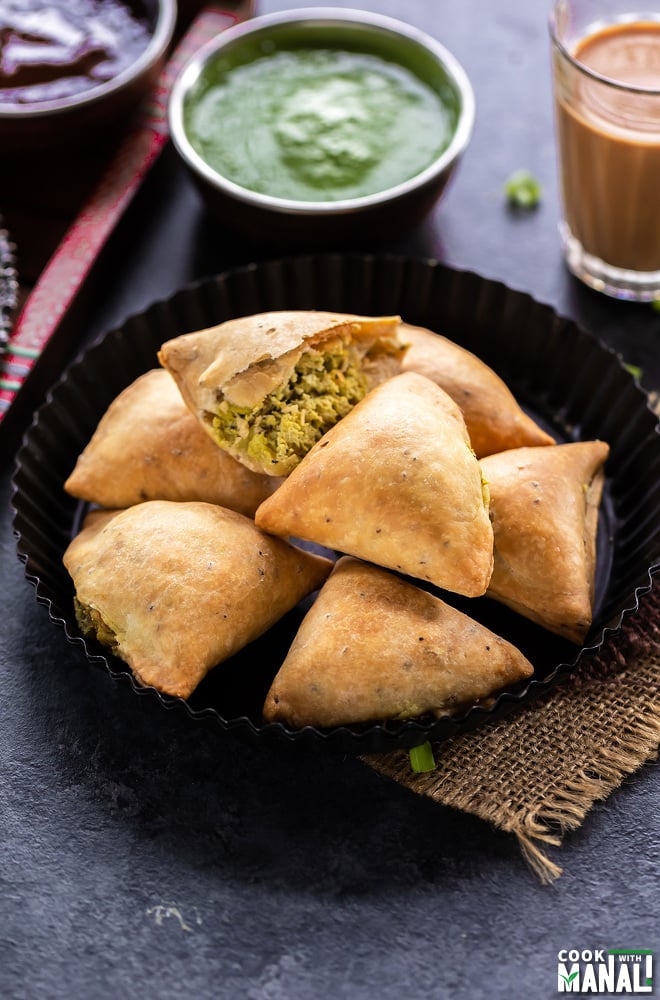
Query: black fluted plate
x,y
569,382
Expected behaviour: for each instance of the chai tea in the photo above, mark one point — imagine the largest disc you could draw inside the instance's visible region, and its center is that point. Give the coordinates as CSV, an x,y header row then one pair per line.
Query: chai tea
x,y
607,94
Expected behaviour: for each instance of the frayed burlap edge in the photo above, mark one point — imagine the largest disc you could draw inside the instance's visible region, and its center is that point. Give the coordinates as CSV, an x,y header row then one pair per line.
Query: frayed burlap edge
x,y
538,772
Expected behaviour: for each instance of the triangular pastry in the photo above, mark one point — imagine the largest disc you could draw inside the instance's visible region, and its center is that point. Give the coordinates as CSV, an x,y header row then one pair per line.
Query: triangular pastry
x,y
494,419
149,446
175,588
267,386
396,483
375,647
544,508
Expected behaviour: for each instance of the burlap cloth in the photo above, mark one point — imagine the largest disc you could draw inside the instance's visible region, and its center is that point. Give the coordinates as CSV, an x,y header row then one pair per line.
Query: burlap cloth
x,y
538,772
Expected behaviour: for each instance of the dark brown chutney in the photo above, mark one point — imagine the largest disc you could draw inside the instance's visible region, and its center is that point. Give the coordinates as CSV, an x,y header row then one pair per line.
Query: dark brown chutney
x,y
51,50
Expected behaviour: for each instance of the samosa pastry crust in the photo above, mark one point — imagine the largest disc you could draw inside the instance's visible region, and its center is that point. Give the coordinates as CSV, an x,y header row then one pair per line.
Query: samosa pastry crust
x,y
374,646
494,419
396,483
544,508
149,446
266,387
175,588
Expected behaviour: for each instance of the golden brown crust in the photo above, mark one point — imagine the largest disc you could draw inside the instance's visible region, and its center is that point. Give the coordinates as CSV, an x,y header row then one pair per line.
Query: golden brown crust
x,y
544,507
149,446
396,483
376,647
493,417
183,586
243,360
209,359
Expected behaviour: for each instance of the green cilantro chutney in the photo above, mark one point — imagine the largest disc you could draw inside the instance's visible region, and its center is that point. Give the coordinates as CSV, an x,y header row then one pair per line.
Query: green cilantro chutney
x,y
318,124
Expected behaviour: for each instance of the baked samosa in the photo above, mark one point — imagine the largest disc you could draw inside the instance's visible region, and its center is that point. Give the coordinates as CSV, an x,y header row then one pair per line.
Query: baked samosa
x,y
544,508
175,588
493,417
396,483
266,387
375,647
149,446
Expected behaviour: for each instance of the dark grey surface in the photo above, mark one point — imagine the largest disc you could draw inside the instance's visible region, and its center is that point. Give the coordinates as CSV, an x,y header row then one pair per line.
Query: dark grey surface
x,y
144,856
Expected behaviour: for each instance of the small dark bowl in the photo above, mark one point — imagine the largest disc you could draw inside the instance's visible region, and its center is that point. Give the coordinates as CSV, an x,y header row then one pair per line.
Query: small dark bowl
x,y
286,222
60,123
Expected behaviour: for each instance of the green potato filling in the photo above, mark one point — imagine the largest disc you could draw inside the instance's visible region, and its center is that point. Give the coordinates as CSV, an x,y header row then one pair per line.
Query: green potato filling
x,y
323,388
91,624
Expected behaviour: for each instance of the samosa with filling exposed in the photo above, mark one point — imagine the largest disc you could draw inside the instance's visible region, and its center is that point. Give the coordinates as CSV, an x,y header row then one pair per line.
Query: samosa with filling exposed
x,y
266,387
395,483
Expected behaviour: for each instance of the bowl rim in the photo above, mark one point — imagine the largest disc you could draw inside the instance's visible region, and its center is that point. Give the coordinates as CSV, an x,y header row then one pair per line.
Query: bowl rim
x,y
159,41
384,24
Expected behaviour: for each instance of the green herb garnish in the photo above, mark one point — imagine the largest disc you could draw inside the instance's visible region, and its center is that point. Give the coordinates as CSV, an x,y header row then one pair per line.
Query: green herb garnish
x,y
422,759
634,370
523,190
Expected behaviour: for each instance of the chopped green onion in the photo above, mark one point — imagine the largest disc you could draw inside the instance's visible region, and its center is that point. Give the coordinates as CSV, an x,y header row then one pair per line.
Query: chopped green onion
x,y
523,190
634,370
422,759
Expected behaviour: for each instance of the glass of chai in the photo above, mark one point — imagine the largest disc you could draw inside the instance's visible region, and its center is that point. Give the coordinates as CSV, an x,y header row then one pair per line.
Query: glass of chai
x,y
606,75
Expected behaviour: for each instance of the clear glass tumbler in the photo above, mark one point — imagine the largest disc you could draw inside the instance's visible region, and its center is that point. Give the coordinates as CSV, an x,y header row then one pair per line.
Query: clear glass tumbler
x,y
606,78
